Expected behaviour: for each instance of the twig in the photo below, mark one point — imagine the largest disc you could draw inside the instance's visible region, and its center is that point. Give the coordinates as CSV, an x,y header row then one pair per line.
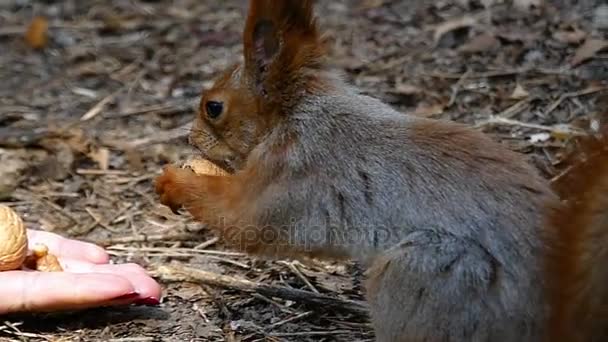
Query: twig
x,y
230,262
94,172
207,243
560,129
297,272
11,328
182,273
563,97
561,175
313,333
155,109
280,306
456,87
515,109
173,251
144,238
97,221
59,209
9,325
501,73
162,137
289,320
99,106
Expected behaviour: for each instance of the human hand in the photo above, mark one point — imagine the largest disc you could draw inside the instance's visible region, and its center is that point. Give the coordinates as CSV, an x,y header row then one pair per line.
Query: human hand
x,y
88,280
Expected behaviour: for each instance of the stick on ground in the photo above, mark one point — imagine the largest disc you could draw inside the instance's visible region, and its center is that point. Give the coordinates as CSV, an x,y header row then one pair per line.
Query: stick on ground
x,y
182,273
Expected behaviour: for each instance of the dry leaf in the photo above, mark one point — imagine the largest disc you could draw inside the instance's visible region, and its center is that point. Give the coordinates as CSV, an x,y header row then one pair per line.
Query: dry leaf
x,y
451,25
36,35
101,156
588,50
570,36
406,89
481,43
519,93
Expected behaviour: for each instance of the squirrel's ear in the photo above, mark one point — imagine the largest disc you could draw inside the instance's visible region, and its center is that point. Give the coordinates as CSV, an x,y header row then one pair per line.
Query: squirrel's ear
x,y
265,47
280,37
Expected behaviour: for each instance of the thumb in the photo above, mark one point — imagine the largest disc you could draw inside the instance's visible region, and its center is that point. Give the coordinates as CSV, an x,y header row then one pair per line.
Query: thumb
x,y
22,291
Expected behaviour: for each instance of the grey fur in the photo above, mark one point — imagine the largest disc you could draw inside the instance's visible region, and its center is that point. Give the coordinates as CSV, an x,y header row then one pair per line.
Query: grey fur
x,y
452,233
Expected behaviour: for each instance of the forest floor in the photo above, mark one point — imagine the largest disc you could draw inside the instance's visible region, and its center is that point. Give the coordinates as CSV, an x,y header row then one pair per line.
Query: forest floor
x,y
88,120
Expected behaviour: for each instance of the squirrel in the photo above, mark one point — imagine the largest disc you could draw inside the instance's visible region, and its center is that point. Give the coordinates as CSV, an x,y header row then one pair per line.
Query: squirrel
x,y
449,223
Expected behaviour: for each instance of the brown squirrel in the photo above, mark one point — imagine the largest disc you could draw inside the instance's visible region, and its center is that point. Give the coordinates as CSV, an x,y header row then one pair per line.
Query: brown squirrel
x,y
449,222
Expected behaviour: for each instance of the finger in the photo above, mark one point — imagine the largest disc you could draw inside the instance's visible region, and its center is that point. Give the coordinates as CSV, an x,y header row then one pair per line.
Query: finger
x,y
63,247
142,283
45,292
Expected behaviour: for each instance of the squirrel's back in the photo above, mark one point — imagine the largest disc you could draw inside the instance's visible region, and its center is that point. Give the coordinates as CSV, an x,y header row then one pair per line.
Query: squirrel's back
x,y
451,219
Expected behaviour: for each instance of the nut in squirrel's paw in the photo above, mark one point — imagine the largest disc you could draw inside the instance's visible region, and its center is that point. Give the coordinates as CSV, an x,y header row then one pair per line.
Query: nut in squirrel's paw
x,y
204,167
14,246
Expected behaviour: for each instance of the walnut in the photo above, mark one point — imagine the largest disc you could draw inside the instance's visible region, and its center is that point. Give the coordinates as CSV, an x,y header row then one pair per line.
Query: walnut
x,y
14,246
13,240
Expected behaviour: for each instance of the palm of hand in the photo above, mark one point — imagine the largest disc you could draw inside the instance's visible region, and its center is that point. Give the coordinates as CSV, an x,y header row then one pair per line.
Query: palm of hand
x,y
88,280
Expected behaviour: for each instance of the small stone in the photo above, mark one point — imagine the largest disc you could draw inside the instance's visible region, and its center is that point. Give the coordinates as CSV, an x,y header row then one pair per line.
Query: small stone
x,y
600,17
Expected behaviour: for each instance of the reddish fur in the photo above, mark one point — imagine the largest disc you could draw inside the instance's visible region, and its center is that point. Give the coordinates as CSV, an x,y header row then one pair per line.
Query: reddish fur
x,y
472,148
224,204
578,267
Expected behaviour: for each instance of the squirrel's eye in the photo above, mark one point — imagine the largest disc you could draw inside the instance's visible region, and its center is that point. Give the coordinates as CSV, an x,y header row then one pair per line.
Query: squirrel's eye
x,y
214,109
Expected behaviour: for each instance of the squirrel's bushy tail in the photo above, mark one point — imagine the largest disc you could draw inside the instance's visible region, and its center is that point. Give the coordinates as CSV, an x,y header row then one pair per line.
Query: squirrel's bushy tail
x,y
578,264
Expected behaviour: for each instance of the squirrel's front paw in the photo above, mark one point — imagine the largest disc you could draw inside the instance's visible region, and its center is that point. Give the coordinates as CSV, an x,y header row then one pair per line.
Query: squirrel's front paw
x,y
172,186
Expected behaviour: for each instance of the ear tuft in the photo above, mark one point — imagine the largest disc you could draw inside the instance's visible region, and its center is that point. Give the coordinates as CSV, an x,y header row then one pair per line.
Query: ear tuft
x,y
281,38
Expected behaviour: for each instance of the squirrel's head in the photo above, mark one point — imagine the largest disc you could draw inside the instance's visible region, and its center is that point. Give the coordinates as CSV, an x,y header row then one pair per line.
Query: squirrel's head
x,y
283,62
